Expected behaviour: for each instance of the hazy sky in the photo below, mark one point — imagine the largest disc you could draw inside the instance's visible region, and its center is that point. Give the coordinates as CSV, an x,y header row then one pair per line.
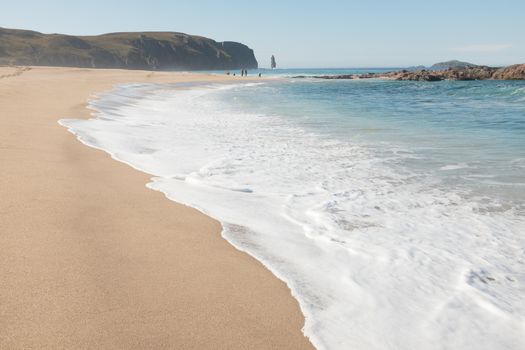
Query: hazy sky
x,y
329,33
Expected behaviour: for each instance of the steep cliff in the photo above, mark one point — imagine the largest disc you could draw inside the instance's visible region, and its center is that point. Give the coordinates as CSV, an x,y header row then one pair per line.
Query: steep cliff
x,y
133,50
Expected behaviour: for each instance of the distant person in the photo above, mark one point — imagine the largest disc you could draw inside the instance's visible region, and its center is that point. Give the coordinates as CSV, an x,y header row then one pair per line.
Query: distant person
x,y
233,74
260,75
227,73
246,72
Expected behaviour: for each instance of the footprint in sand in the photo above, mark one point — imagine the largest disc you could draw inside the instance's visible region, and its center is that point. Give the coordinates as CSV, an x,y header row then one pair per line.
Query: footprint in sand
x,y
18,71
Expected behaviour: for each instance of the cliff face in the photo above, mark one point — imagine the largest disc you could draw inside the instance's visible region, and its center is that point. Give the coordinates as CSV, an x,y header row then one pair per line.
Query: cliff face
x,y
147,50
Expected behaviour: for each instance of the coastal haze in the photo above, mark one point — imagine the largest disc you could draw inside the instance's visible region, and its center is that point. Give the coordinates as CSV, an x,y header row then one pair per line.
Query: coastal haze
x,y
226,183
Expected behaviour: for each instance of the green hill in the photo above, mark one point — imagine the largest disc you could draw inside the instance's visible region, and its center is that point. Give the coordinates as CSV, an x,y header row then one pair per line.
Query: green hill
x,y
452,64
131,50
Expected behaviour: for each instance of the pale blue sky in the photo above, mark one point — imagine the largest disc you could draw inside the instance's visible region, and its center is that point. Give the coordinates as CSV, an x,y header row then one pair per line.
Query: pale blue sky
x,y
329,33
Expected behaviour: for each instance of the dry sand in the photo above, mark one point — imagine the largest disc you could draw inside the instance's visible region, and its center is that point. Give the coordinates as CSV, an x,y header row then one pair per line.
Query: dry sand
x,y
90,258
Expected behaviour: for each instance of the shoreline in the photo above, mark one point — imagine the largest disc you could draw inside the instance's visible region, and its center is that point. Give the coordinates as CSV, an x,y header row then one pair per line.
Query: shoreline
x,y
84,270
314,206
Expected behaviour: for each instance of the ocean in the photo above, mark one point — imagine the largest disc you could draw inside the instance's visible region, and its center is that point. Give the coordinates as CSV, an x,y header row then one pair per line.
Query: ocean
x,y
394,211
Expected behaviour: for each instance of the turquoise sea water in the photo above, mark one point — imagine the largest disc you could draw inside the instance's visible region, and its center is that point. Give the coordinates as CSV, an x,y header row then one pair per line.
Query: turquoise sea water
x,y
394,211
469,135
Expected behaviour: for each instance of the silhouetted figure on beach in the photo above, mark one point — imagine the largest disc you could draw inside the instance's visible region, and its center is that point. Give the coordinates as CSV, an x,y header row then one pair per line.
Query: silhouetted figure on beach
x,y
260,75
246,72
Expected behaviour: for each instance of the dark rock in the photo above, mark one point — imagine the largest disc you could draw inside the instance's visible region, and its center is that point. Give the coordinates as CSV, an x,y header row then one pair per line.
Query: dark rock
x,y
344,76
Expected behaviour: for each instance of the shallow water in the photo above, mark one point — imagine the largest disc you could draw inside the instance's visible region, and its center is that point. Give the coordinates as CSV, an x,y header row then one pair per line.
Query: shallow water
x,y
395,211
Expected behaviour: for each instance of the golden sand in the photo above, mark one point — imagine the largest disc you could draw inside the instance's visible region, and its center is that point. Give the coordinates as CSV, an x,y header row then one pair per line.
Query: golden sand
x,y
90,258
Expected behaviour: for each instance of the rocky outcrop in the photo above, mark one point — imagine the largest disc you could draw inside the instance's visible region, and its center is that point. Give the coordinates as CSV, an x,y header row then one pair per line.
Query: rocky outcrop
x,y
145,50
420,75
515,72
468,73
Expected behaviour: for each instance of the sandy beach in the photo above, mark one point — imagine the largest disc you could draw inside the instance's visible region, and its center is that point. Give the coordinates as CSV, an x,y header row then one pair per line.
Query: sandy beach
x,y
91,258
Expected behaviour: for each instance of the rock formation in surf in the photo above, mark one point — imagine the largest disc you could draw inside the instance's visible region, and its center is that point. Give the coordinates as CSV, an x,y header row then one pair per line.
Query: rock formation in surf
x,y
514,72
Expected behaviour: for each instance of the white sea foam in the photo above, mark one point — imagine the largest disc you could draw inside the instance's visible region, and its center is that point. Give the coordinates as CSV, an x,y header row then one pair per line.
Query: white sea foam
x,y
378,257
454,166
